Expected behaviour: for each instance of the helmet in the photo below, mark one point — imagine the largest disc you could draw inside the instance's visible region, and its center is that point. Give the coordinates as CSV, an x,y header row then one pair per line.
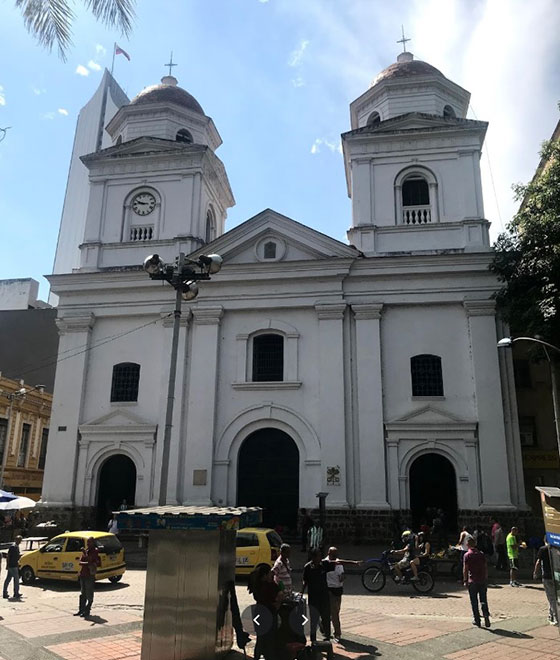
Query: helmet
x,y
405,534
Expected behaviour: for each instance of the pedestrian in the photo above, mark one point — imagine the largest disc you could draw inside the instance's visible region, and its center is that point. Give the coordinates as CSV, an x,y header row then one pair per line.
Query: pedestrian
x,y
113,526
268,596
315,538
335,581
499,541
463,542
282,569
89,561
542,567
475,578
123,506
306,524
512,547
12,568
315,581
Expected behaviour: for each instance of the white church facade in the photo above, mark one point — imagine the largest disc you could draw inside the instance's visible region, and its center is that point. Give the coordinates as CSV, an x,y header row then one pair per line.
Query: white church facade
x,y
368,371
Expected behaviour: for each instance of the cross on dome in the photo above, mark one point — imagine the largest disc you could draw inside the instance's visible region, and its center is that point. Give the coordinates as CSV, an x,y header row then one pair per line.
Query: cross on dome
x,y
170,64
403,40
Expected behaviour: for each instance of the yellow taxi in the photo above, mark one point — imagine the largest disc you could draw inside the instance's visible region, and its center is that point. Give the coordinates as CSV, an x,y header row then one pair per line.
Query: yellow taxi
x,y
59,558
256,546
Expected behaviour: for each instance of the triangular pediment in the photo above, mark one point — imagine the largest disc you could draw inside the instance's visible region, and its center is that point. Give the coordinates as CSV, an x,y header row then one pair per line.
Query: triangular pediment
x,y
118,417
294,241
142,146
429,415
419,121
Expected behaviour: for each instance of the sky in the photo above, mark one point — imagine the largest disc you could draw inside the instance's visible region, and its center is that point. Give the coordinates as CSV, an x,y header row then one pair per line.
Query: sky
x,y
277,77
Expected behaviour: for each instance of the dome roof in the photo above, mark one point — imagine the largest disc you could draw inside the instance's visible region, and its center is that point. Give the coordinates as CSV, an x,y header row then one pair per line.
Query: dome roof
x,y
407,67
168,92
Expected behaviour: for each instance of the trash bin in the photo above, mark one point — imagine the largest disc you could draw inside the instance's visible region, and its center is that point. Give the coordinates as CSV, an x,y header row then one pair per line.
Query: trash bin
x,y
189,579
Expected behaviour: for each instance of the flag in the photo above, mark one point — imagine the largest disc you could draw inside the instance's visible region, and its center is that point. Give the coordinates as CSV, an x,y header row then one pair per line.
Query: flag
x,y
120,51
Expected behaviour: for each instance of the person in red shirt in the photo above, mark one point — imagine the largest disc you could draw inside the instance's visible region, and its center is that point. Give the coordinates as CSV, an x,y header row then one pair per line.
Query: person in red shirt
x,y
89,561
475,578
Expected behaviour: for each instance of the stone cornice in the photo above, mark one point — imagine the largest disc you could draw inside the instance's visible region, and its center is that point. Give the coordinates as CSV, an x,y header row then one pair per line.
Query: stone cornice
x,y
333,311
480,307
207,315
78,323
367,311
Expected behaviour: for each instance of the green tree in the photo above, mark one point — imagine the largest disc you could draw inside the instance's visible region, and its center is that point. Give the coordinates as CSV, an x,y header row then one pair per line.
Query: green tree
x,y
50,21
527,257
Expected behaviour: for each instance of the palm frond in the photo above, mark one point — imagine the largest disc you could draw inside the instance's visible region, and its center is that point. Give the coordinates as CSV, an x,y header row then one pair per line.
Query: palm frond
x,y
49,21
118,13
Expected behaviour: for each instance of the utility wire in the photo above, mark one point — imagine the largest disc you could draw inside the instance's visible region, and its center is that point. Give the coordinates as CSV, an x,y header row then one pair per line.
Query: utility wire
x,y
487,153
87,349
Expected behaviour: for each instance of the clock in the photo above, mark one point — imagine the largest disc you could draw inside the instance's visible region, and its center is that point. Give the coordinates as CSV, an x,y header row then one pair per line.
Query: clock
x,y
143,203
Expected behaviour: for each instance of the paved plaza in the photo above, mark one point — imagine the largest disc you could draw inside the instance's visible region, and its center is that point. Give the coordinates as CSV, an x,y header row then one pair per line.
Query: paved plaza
x,y
396,623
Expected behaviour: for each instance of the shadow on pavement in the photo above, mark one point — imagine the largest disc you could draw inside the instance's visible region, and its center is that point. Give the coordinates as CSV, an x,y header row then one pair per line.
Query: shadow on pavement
x,y
94,618
67,587
365,651
509,633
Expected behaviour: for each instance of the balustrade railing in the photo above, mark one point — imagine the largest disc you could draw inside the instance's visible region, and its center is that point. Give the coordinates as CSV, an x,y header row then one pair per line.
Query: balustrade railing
x,y
416,215
145,233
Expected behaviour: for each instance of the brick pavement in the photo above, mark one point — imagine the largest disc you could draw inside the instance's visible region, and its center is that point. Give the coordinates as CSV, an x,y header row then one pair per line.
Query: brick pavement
x,y
395,624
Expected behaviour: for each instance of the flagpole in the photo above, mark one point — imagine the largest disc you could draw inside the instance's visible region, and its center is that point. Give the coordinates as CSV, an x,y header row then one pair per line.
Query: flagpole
x,y
113,62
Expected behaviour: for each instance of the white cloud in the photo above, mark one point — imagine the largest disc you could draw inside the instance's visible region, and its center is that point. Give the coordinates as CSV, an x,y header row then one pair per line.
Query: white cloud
x,y
296,55
100,50
92,64
49,115
323,142
81,70
63,111
263,1
298,81
39,90
2,96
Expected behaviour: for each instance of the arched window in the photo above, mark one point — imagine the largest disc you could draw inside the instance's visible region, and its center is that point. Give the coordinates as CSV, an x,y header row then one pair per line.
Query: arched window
x,y
270,250
184,136
426,375
268,358
416,201
373,119
210,225
124,386
448,111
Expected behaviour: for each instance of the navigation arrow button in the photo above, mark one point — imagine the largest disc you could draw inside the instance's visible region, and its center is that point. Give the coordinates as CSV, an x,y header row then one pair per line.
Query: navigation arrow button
x,y
256,621
305,619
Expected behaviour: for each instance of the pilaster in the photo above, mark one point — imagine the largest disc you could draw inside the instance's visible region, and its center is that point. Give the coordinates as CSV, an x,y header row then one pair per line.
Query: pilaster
x,y
201,411
369,448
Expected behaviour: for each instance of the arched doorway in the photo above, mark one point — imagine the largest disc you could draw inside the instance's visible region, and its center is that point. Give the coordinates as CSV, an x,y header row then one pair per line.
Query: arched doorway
x,y
117,482
268,476
433,485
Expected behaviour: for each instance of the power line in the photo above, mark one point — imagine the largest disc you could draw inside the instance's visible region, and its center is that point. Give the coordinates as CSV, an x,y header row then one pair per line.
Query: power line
x,y
487,153
87,349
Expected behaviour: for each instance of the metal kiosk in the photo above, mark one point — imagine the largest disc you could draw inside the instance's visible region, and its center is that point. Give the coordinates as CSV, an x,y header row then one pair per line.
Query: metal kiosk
x,y
550,501
190,578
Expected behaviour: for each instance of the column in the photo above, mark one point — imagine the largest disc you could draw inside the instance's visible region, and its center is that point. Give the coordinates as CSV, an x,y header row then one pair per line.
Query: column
x,y
332,427
201,411
369,443
69,389
494,474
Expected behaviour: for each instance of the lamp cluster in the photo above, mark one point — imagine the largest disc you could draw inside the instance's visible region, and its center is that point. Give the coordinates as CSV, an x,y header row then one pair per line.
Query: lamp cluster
x,y
182,275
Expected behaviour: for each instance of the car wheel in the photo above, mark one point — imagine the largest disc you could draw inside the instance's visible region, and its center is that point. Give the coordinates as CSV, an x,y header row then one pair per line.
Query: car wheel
x,y
27,575
115,579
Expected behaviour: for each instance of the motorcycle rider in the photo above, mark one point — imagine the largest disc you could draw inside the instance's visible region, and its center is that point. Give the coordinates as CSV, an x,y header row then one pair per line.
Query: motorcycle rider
x,y
408,553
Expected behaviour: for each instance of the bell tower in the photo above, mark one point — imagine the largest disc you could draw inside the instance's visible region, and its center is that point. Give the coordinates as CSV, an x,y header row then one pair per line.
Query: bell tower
x,y
159,184
412,163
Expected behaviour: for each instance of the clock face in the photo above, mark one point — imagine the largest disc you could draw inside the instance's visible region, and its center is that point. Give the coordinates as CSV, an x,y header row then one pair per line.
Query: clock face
x,y
143,203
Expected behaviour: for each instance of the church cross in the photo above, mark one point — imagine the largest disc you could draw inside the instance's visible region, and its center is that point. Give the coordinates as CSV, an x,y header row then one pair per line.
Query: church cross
x,y
170,63
403,40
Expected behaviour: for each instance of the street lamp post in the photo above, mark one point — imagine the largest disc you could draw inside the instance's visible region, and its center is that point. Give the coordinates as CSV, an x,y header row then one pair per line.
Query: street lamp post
x,y
183,278
507,342
18,395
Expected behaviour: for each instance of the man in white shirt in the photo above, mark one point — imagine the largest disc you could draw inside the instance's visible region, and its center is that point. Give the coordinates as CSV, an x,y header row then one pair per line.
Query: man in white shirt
x,y
335,580
282,569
